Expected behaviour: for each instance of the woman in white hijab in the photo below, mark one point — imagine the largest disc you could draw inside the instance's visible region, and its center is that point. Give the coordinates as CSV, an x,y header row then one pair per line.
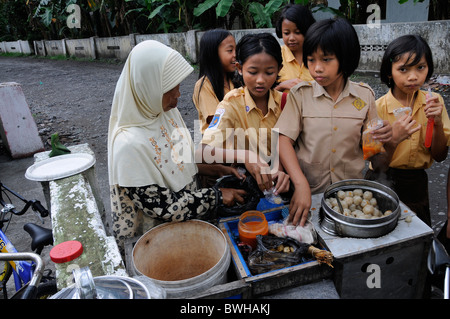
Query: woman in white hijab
x,y
151,166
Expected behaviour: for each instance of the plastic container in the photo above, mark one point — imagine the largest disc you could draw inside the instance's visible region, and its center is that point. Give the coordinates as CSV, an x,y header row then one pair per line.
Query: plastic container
x,y
251,224
184,258
107,287
66,251
401,111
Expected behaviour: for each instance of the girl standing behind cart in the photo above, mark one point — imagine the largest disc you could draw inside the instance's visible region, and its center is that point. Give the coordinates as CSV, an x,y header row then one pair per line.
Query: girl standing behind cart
x,y
217,66
321,125
407,64
241,127
292,26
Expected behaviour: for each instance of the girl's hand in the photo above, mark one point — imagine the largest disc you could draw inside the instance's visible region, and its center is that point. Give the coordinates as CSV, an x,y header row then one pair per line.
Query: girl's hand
x,y
230,170
403,128
282,182
230,196
260,171
384,133
299,206
288,84
434,108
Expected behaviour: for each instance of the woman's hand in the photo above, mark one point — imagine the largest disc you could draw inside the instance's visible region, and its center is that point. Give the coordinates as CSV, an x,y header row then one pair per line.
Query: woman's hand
x,y
230,196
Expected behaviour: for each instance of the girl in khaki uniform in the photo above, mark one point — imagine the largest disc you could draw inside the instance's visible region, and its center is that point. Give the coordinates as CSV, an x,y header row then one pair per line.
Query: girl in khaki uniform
x,y
240,131
321,125
407,64
292,25
217,67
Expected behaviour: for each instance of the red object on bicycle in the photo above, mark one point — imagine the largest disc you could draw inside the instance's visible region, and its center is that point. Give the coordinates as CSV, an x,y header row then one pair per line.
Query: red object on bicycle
x,y
66,251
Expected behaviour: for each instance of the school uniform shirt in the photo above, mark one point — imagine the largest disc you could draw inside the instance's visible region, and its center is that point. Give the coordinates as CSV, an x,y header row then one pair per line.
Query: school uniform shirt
x,y
206,100
239,124
327,134
291,68
411,153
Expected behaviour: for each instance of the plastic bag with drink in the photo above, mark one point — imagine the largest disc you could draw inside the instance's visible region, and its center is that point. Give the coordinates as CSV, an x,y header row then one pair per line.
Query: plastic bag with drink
x,y
370,145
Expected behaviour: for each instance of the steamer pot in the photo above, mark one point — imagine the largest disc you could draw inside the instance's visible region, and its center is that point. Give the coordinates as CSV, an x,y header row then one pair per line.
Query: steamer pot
x,y
337,224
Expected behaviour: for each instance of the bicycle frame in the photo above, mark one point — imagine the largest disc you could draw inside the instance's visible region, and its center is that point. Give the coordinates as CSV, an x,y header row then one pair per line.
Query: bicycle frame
x,y
22,270
30,290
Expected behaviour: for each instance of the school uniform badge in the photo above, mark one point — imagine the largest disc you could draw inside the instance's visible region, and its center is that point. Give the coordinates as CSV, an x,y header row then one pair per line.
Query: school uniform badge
x,y
359,104
216,119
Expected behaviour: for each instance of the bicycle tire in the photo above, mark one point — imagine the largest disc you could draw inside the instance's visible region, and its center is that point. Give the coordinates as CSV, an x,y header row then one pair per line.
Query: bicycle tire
x,y
44,290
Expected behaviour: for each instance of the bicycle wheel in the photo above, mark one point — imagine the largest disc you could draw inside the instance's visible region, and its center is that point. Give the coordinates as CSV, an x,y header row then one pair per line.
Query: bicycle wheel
x,y
5,274
44,290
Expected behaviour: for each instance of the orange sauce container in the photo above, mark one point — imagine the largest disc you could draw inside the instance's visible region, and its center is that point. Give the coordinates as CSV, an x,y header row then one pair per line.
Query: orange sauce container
x,y
252,223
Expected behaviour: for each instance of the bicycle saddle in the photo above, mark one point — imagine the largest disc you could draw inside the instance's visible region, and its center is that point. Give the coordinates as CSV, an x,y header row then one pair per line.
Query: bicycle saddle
x,y
40,236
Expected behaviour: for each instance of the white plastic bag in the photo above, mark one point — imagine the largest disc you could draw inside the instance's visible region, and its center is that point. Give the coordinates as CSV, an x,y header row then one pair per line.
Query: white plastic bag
x,y
304,234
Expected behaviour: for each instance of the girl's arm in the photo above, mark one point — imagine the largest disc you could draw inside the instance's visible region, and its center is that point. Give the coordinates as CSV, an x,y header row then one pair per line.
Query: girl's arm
x,y
259,169
218,170
448,204
287,85
301,200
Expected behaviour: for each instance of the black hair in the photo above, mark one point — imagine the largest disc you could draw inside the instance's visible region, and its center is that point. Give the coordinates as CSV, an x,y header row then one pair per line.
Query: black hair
x,y
334,36
300,15
210,64
251,44
413,45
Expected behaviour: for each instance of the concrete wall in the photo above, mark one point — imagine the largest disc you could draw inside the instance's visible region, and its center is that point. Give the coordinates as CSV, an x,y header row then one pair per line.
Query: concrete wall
x,y
19,46
55,47
115,47
81,48
374,41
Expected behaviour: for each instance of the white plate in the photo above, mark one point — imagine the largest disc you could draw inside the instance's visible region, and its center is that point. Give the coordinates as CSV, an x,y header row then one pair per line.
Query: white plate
x,y
59,167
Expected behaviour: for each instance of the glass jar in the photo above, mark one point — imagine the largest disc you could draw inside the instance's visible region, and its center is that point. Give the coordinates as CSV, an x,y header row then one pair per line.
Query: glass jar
x,y
251,224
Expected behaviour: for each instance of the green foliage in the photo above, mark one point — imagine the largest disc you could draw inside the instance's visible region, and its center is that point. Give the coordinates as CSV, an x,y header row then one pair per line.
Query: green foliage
x,y
261,11
46,19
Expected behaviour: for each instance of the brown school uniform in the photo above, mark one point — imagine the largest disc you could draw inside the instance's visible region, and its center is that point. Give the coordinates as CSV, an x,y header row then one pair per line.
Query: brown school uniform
x,y
327,134
206,101
291,68
237,122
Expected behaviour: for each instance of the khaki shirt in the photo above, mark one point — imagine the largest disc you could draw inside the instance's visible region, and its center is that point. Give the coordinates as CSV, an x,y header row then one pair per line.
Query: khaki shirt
x,y
206,100
239,124
327,134
411,153
291,68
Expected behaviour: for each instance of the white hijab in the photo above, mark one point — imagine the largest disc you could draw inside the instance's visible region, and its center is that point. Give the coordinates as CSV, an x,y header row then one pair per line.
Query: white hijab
x,y
145,144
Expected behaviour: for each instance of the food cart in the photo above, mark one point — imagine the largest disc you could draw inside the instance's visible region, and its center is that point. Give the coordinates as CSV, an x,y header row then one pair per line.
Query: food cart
x,y
392,265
